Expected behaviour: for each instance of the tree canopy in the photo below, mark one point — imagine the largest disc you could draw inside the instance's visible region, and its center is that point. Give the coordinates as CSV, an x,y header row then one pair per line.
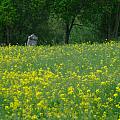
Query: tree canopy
x,y
55,21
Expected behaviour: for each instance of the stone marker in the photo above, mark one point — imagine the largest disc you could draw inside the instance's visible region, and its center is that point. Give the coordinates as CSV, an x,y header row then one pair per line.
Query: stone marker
x,y
32,40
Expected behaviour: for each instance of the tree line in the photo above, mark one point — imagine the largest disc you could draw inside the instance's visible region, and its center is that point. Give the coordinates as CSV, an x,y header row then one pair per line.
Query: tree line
x,y
59,21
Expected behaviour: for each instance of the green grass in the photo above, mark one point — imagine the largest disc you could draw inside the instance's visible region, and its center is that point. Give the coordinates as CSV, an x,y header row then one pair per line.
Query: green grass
x,y
68,82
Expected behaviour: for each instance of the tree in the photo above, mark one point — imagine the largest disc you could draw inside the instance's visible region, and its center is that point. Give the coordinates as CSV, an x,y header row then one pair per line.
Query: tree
x,y
7,18
20,18
68,11
32,18
111,19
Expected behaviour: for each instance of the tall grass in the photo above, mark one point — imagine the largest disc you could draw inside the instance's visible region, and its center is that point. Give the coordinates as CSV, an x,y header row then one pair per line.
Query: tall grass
x,y
69,82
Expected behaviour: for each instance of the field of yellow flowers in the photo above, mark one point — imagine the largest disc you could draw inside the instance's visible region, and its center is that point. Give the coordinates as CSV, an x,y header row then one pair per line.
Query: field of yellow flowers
x,y
72,82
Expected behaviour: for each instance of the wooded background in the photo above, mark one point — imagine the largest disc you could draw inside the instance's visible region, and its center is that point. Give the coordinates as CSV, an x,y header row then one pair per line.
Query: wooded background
x,y
59,21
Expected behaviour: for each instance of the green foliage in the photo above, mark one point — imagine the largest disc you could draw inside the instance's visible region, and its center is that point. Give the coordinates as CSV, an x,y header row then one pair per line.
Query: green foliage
x,y
7,12
55,20
84,34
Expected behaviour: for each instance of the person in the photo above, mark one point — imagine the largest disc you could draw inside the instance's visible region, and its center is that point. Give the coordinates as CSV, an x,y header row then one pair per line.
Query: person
x,y
32,40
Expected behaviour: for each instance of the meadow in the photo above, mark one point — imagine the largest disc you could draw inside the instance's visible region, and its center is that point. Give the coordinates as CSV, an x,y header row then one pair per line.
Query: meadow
x,y
70,82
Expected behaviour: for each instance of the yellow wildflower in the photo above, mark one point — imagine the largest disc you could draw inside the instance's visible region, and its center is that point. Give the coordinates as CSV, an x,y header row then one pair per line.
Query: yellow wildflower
x,y
70,90
115,95
34,117
117,89
6,107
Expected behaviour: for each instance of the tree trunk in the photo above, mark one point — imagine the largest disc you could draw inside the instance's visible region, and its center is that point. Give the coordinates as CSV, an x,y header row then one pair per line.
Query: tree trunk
x,y
67,33
7,35
117,23
68,28
109,28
